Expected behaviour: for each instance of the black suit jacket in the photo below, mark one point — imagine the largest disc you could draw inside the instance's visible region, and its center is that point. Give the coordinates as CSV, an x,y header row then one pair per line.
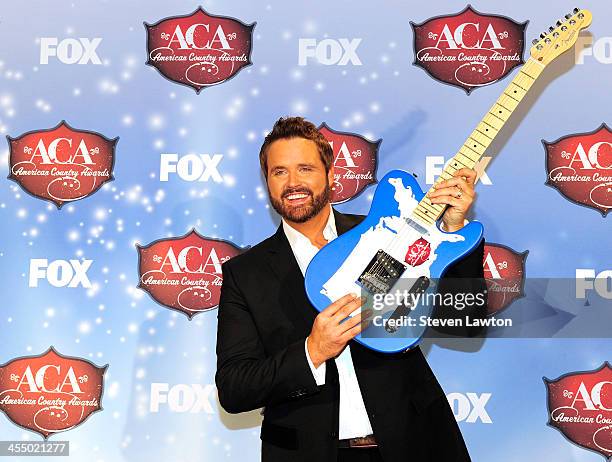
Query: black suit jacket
x,y
264,318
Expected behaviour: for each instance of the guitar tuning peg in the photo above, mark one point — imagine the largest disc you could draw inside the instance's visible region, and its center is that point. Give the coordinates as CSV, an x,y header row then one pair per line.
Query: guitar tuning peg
x,y
576,10
559,23
567,16
551,28
542,35
534,41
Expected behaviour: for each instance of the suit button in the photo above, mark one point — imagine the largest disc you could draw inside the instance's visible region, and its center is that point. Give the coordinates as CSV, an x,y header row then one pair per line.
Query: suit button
x,y
333,434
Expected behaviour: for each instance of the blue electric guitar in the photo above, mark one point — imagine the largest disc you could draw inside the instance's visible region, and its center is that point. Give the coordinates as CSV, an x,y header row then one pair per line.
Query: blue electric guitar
x,y
399,247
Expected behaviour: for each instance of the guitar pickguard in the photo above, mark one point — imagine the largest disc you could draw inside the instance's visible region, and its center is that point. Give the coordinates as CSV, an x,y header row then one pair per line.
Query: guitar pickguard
x,y
394,235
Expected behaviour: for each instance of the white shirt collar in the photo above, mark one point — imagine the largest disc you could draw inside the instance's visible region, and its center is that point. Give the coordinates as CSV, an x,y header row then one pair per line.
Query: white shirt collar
x,y
297,238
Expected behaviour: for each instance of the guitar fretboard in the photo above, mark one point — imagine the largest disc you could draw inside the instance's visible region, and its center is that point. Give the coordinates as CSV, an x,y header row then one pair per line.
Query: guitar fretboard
x,y
483,135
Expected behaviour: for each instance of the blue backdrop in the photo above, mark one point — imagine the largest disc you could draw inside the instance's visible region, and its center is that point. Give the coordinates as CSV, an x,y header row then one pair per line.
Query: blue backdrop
x,y
386,97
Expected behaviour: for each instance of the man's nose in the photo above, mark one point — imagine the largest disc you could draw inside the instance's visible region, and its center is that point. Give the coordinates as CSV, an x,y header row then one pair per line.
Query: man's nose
x,y
292,178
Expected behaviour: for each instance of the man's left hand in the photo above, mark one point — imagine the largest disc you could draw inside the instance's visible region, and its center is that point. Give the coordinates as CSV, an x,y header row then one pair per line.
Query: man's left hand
x,y
458,192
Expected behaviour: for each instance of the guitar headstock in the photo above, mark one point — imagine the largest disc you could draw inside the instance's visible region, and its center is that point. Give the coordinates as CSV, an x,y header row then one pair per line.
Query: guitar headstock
x,y
560,38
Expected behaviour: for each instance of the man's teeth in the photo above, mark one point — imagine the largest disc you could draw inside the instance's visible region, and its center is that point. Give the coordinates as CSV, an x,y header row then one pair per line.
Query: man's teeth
x,y
296,196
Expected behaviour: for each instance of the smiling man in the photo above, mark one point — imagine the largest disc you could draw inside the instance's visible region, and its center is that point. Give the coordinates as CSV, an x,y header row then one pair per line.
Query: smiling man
x,y
326,397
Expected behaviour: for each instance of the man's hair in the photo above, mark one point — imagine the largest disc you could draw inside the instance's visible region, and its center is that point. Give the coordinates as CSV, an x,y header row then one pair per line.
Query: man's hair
x,y
295,127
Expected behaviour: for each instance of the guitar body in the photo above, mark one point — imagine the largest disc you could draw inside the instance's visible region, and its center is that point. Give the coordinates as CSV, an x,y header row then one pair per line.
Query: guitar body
x,y
352,262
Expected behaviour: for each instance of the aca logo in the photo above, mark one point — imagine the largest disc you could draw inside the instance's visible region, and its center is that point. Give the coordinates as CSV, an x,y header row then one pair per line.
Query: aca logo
x,y
70,50
50,393
580,167
468,49
355,162
504,271
61,164
180,398
184,273
329,52
60,273
199,49
580,407
191,167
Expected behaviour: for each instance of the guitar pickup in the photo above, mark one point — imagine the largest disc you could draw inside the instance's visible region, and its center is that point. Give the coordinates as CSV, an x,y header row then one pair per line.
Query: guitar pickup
x,y
381,273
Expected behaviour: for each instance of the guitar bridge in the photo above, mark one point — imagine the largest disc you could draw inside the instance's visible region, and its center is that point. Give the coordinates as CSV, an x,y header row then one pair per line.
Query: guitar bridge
x,y
381,273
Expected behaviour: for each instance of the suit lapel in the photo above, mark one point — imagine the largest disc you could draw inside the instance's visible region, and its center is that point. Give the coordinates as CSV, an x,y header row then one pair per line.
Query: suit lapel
x,y
343,222
283,264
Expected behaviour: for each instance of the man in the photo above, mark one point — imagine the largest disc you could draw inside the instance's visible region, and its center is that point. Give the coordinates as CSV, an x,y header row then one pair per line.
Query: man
x,y
326,398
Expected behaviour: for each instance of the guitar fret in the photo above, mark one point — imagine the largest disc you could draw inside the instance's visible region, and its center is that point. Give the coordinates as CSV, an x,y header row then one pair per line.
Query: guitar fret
x,y
422,216
472,150
526,83
431,208
507,103
513,82
469,157
501,105
461,163
496,116
482,143
484,134
472,138
427,208
518,101
531,77
450,170
487,123
471,160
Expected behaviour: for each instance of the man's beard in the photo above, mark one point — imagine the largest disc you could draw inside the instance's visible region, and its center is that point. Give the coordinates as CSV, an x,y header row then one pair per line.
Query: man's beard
x,y
304,212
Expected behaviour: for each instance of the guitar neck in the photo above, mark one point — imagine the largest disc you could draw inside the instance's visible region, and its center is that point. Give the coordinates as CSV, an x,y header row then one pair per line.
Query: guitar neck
x,y
483,135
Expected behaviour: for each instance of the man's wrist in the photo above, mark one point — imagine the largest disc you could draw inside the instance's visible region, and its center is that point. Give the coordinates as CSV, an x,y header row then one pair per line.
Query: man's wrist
x,y
316,361
453,228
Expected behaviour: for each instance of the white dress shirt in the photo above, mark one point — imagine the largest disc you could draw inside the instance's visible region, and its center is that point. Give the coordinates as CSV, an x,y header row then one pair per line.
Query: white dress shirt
x,y
354,420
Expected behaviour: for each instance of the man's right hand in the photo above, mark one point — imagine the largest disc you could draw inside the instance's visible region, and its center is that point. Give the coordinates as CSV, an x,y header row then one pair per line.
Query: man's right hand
x,y
329,336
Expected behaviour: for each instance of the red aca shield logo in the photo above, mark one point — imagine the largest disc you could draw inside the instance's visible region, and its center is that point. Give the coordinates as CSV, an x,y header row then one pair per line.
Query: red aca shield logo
x,y
184,273
418,252
580,407
580,167
504,271
61,164
468,49
355,162
50,393
199,49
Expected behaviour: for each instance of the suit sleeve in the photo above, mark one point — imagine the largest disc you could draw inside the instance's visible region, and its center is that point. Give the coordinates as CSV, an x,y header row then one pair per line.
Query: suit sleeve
x,y
246,377
465,276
